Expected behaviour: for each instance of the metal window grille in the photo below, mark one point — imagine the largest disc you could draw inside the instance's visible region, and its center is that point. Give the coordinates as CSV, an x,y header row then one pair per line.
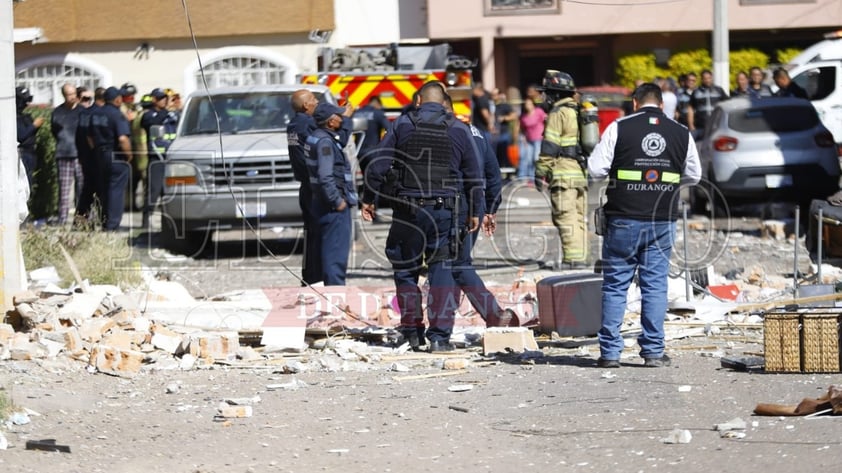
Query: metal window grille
x,y
241,70
45,81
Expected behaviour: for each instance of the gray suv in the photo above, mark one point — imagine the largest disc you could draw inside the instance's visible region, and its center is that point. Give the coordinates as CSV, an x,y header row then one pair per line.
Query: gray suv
x,y
217,176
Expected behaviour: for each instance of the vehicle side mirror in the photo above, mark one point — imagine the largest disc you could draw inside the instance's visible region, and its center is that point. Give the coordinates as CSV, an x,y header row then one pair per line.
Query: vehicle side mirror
x,y
156,132
359,123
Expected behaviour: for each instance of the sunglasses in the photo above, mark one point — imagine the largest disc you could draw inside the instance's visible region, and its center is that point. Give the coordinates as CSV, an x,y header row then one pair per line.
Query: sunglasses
x,y
86,98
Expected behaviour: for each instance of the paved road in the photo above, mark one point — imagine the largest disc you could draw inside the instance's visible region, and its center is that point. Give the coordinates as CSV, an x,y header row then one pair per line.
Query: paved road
x,y
525,239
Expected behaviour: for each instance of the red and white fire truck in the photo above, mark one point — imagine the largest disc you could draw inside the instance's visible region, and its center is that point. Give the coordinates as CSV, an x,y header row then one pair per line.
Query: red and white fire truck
x,y
394,73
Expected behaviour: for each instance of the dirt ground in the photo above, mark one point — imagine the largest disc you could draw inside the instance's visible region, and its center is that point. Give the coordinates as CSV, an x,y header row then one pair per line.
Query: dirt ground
x,y
553,413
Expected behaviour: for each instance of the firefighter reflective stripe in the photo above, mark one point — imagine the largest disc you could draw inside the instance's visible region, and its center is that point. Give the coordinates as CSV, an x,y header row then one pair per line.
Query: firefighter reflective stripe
x,y
555,137
626,175
671,177
565,174
633,175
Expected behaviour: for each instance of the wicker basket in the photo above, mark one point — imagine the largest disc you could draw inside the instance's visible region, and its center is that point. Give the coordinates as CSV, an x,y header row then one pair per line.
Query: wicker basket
x,y
820,343
781,340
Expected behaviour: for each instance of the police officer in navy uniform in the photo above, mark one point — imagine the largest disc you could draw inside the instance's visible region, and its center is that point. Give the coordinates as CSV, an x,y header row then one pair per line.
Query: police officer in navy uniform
x,y
332,184
430,158
90,171
646,156
109,136
304,103
299,128
27,127
157,146
373,113
464,272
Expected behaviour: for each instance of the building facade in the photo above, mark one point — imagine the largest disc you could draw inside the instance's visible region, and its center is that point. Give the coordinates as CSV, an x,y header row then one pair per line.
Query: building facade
x,y
516,40
149,43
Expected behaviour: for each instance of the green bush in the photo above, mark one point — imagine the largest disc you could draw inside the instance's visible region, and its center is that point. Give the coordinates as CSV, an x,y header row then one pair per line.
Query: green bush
x,y
743,60
100,257
6,405
783,56
638,66
43,200
689,61
642,66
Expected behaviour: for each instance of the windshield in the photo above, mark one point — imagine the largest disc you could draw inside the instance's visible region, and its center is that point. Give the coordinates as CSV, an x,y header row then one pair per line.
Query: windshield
x,y
774,119
240,113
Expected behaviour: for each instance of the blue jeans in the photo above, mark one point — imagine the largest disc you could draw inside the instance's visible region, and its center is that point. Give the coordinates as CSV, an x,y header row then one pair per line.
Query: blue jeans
x,y
529,151
413,240
644,246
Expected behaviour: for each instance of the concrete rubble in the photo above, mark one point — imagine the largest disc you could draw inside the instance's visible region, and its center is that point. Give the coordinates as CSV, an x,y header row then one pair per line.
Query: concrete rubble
x,y
162,327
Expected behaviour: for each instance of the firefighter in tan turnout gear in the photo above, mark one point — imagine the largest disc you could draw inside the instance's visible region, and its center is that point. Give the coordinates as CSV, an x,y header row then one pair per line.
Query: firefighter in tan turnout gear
x,y
560,167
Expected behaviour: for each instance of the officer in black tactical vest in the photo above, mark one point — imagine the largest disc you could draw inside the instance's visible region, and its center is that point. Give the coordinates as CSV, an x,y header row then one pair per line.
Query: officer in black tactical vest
x,y
430,157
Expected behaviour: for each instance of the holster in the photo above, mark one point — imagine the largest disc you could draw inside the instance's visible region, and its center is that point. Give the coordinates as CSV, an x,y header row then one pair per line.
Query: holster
x,y
600,222
390,184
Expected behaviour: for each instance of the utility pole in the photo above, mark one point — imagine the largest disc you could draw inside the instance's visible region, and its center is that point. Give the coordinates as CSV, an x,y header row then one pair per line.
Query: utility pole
x,y
721,46
11,265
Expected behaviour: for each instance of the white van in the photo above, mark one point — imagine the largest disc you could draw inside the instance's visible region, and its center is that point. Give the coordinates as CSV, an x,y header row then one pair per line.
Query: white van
x,y
818,69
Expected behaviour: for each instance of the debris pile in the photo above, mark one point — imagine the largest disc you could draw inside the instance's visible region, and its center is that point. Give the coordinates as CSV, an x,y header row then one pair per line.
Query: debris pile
x,y
105,328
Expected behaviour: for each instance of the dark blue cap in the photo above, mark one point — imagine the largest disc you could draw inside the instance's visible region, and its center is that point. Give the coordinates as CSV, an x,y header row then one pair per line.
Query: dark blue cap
x,y
324,111
112,93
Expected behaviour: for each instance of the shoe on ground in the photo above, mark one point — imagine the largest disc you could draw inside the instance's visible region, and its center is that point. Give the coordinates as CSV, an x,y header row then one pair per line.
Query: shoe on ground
x,y
657,362
415,338
603,363
441,346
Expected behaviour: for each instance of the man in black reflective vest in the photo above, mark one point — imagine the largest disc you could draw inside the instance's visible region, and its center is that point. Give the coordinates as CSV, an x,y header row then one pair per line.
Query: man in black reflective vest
x,y
646,156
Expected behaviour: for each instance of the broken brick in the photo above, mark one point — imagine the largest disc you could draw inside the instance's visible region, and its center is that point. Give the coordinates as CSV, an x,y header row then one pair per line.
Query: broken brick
x,y
218,346
92,330
121,339
167,340
229,411
508,339
113,360
6,333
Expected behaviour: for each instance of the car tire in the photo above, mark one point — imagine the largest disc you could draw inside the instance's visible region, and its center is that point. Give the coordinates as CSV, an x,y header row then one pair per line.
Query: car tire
x,y
718,204
182,242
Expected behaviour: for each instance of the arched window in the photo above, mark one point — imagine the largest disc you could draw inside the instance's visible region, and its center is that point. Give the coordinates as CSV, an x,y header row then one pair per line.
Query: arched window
x,y
243,65
45,75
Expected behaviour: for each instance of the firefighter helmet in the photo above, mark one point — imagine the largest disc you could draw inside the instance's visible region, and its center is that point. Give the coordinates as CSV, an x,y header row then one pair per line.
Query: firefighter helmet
x,y
559,81
128,89
22,97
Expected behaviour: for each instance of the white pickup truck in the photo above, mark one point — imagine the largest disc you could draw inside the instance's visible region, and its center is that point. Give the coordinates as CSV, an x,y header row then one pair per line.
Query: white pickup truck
x,y
229,164
818,69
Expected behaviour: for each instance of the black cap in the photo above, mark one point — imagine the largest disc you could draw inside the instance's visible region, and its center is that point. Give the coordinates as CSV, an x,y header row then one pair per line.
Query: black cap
x,y
158,94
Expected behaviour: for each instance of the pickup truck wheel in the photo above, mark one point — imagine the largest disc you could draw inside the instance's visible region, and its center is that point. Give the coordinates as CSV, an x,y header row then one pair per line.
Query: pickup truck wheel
x,y
184,242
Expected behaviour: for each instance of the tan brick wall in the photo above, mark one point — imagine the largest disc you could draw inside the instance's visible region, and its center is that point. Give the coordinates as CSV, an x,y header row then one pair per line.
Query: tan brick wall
x,y
65,21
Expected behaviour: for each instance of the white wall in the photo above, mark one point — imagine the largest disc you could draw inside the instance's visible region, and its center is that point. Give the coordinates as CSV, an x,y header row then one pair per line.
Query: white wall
x,y
366,22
